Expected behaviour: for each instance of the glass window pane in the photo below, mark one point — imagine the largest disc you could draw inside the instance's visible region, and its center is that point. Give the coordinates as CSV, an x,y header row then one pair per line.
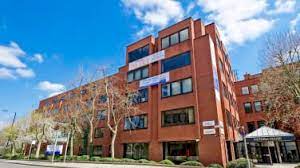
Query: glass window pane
x,y
184,35
175,88
254,88
137,74
130,76
251,126
165,90
138,53
245,90
247,107
165,42
176,62
187,85
257,106
174,39
191,115
145,72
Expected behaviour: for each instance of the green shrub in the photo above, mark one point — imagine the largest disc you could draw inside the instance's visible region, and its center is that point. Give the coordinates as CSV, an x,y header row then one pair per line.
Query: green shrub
x,y
192,163
297,166
215,165
83,158
146,161
95,158
166,162
239,163
127,160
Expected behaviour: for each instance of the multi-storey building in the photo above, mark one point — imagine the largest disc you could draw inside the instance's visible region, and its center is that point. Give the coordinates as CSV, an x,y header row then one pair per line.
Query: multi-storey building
x,y
252,117
188,104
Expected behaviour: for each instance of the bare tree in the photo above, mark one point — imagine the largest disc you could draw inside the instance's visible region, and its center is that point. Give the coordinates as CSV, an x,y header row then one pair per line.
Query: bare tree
x,y
280,82
41,127
92,88
119,103
69,116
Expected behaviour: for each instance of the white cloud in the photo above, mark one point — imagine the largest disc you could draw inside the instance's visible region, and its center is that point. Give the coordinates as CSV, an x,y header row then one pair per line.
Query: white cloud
x,y
238,21
11,63
294,22
10,55
25,73
51,88
283,6
38,58
6,74
154,13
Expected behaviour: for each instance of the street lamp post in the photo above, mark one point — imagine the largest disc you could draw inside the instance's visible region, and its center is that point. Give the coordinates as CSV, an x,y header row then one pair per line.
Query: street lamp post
x,y
12,123
245,146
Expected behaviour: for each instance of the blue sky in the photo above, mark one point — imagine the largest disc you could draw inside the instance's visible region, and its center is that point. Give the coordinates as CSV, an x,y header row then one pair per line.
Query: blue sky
x,y
43,43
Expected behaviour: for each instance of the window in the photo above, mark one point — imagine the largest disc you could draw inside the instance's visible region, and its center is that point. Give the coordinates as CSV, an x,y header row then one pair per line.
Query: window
x,y
165,42
136,151
229,118
177,88
176,62
221,66
136,122
102,99
101,114
166,90
175,38
98,133
251,126
261,123
187,85
245,90
97,151
173,150
178,117
184,35
257,106
138,53
254,89
140,97
83,91
137,74
247,107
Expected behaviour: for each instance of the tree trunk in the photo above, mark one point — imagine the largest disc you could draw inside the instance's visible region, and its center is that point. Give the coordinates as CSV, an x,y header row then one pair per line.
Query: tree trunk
x,y
37,153
72,144
113,139
13,150
91,140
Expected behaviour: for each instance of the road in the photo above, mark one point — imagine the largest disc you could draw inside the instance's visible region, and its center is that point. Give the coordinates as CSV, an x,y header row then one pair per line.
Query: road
x,y
12,165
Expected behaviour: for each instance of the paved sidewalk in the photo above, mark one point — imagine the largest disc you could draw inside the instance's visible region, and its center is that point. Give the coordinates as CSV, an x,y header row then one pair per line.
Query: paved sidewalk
x,y
283,165
74,165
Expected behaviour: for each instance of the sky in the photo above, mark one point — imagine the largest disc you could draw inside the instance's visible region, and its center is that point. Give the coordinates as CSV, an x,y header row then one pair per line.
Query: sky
x,y
44,43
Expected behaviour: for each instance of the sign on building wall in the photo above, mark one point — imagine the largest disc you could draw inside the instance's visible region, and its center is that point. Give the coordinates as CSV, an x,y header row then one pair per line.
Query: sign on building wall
x,y
147,60
155,80
208,123
210,131
215,72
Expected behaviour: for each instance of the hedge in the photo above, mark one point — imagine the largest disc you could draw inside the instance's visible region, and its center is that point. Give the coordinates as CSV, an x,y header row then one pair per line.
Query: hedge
x,y
215,165
192,163
239,163
167,162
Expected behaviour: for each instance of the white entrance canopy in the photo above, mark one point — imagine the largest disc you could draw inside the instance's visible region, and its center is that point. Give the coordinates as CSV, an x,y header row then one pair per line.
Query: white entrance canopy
x,y
269,134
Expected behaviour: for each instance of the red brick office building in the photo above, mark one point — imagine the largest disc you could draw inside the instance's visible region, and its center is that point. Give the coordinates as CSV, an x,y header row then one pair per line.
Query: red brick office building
x,y
252,117
188,102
